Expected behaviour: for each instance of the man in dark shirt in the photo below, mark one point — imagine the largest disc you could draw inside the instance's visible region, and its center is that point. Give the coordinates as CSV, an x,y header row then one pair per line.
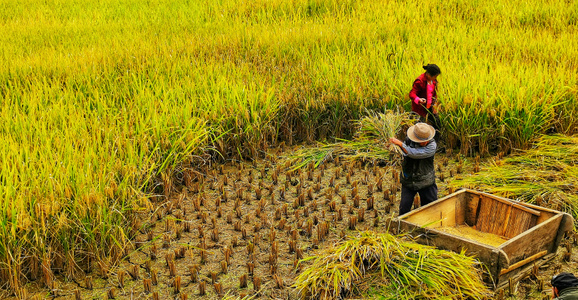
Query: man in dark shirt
x,y
418,173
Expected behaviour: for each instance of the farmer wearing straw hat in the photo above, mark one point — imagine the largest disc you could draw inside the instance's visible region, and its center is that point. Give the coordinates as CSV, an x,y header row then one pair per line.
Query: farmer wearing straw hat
x,y
564,286
418,173
423,96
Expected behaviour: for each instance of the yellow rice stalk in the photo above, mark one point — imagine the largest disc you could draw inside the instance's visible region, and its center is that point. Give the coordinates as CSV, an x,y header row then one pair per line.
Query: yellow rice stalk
x,y
380,127
391,266
371,141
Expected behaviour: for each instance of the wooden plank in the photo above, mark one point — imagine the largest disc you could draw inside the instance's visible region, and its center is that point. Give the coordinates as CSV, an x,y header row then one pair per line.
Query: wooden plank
x,y
495,259
479,217
491,218
485,206
567,224
491,215
514,204
517,225
478,220
522,272
545,213
451,197
528,221
501,260
490,208
502,231
525,224
532,241
522,219
511,232
523,262
472,209
533,221
511,223
500,218
434,215
541,209
460,211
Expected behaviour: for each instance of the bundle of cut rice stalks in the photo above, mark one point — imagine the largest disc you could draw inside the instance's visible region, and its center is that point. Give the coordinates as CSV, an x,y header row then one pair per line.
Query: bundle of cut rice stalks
x,y
370,143
380,265
379,127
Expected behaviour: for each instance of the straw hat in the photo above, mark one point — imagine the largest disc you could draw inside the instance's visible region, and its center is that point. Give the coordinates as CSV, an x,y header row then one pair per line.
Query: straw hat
x,y
421,132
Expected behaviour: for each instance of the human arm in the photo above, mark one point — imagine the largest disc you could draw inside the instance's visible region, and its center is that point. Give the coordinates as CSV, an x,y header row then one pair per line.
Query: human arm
x,y
398,143
416,90
421,152
416,152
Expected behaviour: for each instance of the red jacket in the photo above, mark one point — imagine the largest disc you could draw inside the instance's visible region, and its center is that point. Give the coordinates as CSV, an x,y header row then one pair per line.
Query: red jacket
x,y
419,90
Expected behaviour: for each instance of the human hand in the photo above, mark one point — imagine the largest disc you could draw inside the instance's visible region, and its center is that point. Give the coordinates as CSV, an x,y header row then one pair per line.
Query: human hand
x,y
395,141
422,100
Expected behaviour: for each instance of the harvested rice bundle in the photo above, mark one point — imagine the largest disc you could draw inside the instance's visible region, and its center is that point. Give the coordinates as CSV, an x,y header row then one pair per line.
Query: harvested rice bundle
x,y
379,127
392,267
371,142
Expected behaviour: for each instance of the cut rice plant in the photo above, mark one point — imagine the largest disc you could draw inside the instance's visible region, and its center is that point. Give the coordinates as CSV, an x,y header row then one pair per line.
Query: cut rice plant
x,y
544,175
370,142
316,155
381,265
379,127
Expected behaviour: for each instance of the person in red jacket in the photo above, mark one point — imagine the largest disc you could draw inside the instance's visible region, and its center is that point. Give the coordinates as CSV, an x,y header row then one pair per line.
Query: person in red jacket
x,y
423,96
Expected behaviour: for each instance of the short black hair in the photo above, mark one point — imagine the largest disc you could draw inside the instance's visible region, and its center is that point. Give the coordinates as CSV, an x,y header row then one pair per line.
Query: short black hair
x,y
432,69
564,280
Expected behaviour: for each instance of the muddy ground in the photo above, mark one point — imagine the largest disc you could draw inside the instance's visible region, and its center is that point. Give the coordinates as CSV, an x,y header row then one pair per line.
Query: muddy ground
x,y
238,229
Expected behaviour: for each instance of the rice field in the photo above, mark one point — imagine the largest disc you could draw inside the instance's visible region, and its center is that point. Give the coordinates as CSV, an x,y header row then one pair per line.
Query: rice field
x,y
248,230
110,107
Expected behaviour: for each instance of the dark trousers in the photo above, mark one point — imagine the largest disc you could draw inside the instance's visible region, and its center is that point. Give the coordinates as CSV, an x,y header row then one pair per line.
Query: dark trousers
x,y
426,195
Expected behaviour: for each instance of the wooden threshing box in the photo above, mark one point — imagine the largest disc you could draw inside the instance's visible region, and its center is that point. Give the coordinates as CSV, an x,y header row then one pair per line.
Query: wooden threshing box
x,y
507,236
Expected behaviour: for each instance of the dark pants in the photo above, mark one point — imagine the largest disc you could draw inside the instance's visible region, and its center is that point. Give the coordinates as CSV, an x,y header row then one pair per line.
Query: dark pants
x,y
426,195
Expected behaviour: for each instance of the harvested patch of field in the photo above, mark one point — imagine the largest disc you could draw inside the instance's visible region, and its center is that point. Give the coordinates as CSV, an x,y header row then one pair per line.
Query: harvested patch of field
x,y
238,229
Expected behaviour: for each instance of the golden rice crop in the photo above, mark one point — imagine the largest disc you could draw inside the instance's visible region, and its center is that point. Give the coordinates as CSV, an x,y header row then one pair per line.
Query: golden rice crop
x,y
370,141
104,102
398,268
380,127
